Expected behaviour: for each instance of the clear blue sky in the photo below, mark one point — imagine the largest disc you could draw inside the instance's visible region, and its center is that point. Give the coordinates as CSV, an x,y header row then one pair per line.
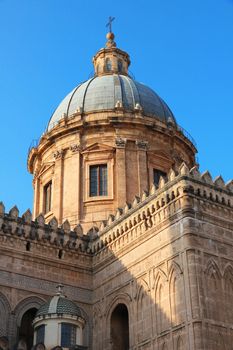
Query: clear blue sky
x,y
183,49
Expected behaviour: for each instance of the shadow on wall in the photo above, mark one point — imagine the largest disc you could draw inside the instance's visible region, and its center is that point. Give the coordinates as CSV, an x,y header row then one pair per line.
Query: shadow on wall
x,y
151,291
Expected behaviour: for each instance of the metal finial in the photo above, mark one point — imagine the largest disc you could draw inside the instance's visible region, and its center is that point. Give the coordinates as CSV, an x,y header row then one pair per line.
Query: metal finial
x,y
109,24
60,287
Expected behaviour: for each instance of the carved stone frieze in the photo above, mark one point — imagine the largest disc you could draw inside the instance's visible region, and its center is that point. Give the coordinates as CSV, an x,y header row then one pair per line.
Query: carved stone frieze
x,y
141,144
75,148
59,154
120,142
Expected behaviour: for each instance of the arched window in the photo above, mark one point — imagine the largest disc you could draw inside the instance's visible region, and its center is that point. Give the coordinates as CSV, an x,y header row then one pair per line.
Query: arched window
x,y
120,66
47,197
120,328
108,65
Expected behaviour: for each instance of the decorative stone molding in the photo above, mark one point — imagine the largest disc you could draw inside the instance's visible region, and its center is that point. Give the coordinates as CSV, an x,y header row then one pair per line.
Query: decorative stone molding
x,y
75,148
143,145
59,154
120,142
138,107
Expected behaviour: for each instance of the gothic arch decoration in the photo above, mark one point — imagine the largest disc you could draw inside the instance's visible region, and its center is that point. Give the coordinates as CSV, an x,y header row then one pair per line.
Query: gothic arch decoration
x,y
174,267
5,309
176,293
25,305
162,303
228,292
143,310
164,346
180,343
159,273
219,342
212,267
213,290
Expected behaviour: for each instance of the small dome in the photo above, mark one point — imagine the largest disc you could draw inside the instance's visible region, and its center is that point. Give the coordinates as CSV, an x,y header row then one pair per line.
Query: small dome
x,y
103,93
59,304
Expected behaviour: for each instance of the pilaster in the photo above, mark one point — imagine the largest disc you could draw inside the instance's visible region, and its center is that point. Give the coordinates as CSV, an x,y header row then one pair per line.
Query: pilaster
x,y
142,166
57,198
120,171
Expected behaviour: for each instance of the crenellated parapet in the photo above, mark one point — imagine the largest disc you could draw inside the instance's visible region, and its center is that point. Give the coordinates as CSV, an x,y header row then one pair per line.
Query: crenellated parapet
x,y
24,234
185,190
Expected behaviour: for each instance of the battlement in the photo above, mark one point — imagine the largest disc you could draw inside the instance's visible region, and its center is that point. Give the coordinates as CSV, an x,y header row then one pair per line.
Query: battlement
x,y
175,193
145,212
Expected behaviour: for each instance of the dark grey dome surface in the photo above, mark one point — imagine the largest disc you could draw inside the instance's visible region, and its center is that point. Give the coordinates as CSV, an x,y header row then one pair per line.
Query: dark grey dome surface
x,y
103,93
59,305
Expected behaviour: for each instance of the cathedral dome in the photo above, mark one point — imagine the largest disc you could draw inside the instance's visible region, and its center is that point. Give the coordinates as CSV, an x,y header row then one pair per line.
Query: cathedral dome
x,y
59,304
106,92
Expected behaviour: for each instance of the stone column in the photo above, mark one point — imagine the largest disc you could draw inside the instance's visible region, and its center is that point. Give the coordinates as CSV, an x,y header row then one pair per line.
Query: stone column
x,y
142,166
120,172
57,190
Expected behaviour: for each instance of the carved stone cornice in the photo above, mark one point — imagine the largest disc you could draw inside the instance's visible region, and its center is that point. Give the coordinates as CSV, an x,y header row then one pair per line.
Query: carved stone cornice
x,y
75,148
59,154
120,142
143,145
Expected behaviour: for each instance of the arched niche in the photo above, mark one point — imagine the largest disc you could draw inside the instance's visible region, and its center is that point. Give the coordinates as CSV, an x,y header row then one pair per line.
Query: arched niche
x,y
24,314
120,328
25,331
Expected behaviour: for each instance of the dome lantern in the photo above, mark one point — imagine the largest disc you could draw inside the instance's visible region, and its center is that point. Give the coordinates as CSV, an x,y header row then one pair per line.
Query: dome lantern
x,y
111,60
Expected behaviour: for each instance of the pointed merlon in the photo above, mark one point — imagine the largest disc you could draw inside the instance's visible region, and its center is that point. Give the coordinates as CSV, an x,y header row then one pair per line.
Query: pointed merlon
x,y
207,178
27,216
14,212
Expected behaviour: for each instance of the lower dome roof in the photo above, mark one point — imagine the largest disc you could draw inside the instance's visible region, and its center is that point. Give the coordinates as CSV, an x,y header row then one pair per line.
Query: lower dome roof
x,y
59,305
105,92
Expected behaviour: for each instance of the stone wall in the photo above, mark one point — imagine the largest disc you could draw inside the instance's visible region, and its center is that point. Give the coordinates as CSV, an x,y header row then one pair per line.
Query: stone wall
x,y
167,257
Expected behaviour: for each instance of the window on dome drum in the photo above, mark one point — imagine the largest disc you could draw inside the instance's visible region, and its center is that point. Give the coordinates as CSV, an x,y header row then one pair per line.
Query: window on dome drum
x,y
40,332
98,180
156,175
47,197
119,63
108,65
68,335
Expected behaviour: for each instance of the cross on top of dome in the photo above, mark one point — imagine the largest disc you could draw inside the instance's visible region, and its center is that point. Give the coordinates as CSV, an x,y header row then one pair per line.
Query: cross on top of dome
x,y
109,24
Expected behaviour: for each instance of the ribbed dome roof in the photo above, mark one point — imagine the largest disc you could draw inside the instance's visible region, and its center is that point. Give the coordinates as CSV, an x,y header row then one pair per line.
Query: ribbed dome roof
x,y
59,305
102,93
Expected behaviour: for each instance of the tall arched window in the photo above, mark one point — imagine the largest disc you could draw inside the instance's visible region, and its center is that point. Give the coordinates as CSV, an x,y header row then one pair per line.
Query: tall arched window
x,y
108,65
120,328
120,66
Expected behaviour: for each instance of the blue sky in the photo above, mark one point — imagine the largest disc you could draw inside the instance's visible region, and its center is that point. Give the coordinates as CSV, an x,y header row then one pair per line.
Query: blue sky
x,y
182,49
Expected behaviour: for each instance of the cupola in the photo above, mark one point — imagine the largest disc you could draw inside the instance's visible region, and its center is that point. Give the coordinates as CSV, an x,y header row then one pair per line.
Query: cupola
x,y
59,322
